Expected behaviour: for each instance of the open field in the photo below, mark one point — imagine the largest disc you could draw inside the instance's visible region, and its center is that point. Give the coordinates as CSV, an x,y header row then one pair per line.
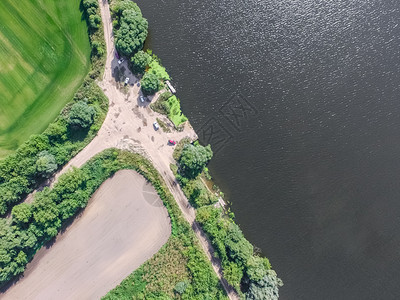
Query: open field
x,y
124,225
44,56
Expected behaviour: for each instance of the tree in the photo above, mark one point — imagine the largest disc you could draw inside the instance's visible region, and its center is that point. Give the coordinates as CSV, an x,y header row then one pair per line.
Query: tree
x,y
132,33
194,159
81,115
90,3
140,61
257,267
22,213
150,84
94,21
233,274
238,248
267,288
180,287
46,163
120,6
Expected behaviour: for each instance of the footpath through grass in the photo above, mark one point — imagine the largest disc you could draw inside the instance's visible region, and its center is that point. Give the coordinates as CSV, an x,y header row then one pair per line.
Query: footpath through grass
x,y
44,57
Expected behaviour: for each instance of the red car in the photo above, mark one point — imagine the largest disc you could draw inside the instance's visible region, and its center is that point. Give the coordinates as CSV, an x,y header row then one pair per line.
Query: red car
x,y
171,142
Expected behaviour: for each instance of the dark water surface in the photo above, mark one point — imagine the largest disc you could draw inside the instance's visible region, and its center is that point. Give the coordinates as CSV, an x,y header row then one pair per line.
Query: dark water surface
x,y
311,159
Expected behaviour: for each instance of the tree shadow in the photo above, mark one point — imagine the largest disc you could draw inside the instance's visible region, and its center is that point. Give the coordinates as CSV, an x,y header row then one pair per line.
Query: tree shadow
x,y
77,134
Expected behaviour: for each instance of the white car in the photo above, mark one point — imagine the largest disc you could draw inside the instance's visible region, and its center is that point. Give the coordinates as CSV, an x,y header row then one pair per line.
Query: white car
x,y
120,61
126,80
142,99
156,127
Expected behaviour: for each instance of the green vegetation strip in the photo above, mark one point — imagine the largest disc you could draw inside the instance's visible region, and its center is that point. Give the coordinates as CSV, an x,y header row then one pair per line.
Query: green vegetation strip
x,y
74,128
170,106
180,268
44,57
250,274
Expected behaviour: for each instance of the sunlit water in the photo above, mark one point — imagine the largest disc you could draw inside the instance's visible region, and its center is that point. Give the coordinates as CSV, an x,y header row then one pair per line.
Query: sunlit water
x,y
312,164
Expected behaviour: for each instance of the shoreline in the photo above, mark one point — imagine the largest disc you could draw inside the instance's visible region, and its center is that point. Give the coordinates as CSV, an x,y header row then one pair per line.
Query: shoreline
x,y
128,126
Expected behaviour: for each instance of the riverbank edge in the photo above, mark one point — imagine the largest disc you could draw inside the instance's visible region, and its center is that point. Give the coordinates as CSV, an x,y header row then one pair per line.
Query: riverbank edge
x,y
226,213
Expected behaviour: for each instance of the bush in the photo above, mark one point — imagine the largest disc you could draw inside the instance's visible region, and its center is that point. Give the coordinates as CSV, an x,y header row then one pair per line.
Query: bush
x,y
198,194
150,84
158,70
180,287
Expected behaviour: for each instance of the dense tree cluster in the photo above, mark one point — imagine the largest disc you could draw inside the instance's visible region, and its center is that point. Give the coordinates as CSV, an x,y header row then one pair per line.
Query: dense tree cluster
x,y
249,274
94,19
34,224
91,12
130,28
41,155
239,263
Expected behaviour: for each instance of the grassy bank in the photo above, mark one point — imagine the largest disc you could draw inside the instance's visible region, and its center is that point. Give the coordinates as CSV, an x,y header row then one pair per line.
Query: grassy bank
x,y
44,57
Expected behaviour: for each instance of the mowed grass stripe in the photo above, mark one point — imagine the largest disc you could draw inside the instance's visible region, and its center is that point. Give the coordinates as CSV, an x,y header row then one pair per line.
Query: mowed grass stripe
x,y
44,56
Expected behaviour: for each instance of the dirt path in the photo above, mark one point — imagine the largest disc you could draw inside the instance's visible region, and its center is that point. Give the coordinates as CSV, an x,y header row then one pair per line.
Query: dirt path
x,y
124,225
128,125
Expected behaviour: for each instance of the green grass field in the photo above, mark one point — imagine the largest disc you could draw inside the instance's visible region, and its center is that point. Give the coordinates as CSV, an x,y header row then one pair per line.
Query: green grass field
x,y
44,56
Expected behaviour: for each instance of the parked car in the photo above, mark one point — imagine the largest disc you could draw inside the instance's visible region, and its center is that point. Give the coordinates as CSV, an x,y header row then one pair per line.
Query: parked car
x,y
120,61
156,126
172,142
126,80
142,99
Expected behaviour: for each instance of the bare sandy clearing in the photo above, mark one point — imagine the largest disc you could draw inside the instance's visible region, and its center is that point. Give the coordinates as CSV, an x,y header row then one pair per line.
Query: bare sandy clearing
x,y
124,225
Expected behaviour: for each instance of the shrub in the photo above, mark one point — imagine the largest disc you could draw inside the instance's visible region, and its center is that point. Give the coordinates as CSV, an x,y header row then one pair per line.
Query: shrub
x,y
173,109
180,287
198,193
158,70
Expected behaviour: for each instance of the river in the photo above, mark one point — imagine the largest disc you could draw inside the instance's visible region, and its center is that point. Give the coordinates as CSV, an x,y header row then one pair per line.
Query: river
x,y
300,101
